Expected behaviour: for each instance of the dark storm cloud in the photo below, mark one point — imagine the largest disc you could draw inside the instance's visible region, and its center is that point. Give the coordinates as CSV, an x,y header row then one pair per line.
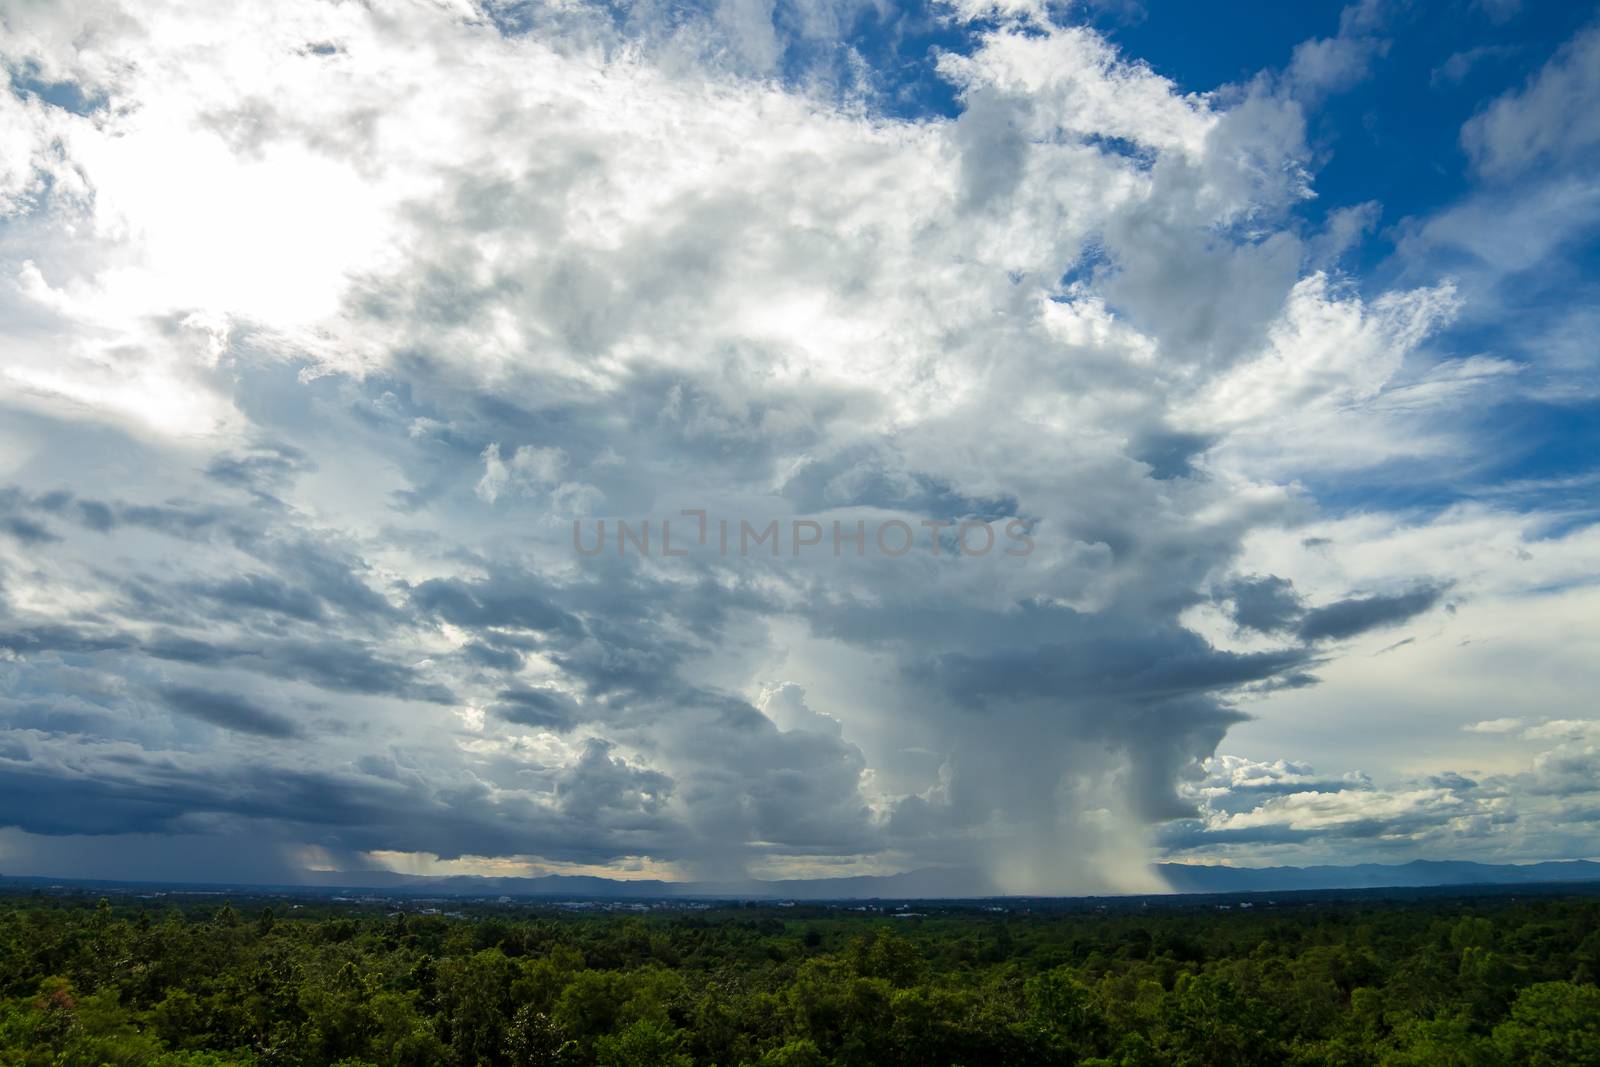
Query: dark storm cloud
x,y
1269,604
1570,770
515,601
229,711
126,793
1115,689
727,420
603,807
16,523
1347,618
1094,656
625,658
868,477
797,790
177,519
95,515
543,708
264,470
1293,680
262,592
599,783
1193,833
492,657
54,637
27,531
335,574
59,715
1265,603
616,630
331,663
1168,453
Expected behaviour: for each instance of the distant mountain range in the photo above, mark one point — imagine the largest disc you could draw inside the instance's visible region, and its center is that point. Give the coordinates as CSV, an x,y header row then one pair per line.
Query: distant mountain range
x,y
934,883
923,884
1193,878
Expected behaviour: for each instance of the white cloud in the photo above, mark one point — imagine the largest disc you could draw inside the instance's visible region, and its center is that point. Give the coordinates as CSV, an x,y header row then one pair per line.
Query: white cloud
x,y
1325,351
1332,64
785,704
1562,729
529,468
1554,119
1329,64
1494,726
1281,812
1460,64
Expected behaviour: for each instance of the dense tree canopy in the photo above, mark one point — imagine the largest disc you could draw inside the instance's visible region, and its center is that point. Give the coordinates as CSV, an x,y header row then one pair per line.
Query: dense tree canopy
x,y
186,982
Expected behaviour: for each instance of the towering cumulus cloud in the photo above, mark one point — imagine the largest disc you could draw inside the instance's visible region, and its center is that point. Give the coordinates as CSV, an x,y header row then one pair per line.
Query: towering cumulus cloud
x,y
327,325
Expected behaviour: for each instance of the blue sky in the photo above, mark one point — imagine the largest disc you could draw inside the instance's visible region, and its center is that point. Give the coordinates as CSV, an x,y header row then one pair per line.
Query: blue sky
x,y
1268,332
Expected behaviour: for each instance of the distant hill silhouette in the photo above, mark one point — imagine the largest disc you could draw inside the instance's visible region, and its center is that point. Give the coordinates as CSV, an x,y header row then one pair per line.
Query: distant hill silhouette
x,y
1194,878
930,883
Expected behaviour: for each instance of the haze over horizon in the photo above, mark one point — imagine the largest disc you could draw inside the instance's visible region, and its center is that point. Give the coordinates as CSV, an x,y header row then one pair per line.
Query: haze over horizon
x,y
1092,435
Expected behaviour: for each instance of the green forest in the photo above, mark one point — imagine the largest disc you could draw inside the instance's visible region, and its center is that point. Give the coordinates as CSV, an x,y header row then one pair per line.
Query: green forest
x,y
189,980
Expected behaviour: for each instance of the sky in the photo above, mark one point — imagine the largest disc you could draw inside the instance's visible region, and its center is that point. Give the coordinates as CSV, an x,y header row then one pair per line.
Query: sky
x,y
737,440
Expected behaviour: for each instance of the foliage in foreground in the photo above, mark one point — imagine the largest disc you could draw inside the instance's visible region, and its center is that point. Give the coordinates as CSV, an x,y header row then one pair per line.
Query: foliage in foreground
x,y
1484,982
